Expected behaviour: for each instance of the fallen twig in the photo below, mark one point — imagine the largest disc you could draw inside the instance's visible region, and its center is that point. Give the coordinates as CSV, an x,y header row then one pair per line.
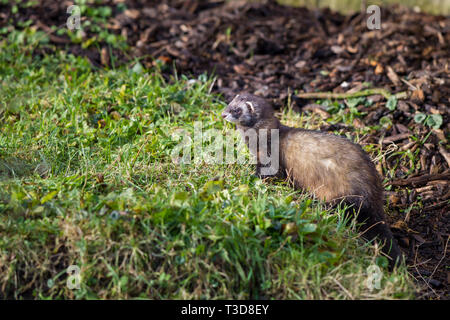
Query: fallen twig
x,y
445,154
346,95
421,180
396,137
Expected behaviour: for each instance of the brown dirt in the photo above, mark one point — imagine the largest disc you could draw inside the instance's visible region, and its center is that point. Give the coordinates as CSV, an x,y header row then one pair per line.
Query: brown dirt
x,y
274,51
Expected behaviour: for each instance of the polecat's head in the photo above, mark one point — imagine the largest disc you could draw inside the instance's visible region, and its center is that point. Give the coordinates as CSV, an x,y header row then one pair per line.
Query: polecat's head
x,y
247,110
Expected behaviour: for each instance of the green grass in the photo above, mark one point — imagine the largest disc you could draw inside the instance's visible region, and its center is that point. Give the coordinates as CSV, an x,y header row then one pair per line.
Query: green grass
x,y
87,179
93,30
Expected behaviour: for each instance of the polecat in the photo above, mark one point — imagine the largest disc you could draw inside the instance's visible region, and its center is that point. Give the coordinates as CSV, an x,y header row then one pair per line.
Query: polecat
x,y
331,167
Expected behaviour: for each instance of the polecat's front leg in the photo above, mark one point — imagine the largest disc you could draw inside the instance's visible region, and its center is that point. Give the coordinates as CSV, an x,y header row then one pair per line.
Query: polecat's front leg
x,y
259,172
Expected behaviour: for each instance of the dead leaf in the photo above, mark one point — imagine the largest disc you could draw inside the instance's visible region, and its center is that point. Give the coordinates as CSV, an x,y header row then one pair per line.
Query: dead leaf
x,y
417,96
115,115
393,76
132,13
379,69
104,57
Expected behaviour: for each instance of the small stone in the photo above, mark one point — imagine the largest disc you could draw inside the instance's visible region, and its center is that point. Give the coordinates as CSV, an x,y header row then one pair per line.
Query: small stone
x,y
435,283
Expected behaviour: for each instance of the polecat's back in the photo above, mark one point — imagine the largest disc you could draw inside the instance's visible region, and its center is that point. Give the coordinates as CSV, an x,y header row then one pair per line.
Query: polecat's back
x,y
336,170
329,166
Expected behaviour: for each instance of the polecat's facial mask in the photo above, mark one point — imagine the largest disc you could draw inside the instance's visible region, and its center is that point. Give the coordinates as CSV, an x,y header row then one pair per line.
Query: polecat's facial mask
x,y
239,111
229,117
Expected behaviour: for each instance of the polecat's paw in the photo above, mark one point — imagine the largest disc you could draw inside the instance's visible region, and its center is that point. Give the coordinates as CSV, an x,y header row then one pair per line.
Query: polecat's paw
x,y
259,175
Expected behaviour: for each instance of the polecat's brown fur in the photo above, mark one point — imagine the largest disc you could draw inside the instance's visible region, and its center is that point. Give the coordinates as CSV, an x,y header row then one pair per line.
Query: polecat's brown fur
x,y
331,167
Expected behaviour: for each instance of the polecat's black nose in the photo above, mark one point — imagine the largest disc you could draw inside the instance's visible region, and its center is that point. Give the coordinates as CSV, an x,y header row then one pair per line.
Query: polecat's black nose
x,y
224,115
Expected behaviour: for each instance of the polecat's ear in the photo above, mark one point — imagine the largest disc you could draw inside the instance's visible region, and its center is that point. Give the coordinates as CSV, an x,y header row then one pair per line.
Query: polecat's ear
x,y
251,107
234,99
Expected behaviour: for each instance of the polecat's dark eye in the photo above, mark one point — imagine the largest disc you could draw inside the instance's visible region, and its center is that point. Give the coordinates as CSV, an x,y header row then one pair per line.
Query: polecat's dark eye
x,y
237,111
